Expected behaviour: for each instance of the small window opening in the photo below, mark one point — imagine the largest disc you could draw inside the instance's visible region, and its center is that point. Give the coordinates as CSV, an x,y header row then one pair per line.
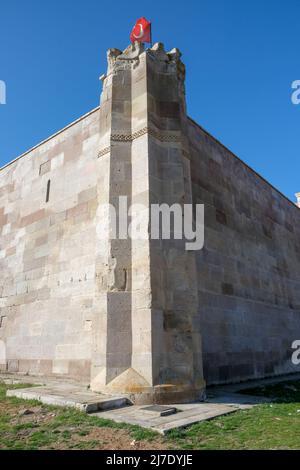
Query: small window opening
x,y
48,191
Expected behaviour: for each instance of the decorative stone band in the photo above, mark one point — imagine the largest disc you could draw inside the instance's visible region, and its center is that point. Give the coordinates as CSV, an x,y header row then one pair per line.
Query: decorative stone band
x,y
162,137
103,152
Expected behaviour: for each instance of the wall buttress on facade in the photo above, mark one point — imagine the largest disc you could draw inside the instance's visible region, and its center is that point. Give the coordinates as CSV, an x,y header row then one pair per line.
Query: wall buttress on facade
x,y
155,352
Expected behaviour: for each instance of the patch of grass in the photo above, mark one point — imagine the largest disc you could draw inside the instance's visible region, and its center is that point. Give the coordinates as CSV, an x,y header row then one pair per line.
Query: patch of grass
x,y
270,426
86,445
19,427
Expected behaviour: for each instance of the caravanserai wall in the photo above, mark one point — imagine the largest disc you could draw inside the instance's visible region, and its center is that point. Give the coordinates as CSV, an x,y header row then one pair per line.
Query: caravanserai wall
x,y
249,269
47,254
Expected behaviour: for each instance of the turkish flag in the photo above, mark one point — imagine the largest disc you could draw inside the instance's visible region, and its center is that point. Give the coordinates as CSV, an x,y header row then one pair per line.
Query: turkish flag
x,y
141,31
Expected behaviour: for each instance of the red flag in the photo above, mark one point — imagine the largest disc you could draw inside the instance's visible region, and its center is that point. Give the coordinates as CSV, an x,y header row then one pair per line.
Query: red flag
x,y
141,31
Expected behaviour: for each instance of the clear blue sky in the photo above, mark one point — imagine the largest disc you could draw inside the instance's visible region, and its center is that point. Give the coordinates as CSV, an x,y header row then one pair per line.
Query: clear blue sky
x,y
241,58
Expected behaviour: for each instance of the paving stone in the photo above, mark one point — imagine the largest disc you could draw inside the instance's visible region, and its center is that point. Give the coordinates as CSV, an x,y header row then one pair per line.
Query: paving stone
x,y
187,415
70,397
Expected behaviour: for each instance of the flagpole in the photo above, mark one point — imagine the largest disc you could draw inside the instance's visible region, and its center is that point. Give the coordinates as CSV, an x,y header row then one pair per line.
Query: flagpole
x,y
151,44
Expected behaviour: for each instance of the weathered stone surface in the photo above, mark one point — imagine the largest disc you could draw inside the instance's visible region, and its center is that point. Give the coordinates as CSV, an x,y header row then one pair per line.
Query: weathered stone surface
x,y
68,395
249,269
143,88
188,414
48,263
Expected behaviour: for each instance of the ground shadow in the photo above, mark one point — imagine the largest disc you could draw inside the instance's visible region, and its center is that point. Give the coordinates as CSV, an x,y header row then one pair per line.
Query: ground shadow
x,y
283,392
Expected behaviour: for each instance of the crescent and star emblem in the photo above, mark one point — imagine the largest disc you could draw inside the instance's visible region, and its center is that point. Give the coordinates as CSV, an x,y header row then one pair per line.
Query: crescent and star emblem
x,y
138,36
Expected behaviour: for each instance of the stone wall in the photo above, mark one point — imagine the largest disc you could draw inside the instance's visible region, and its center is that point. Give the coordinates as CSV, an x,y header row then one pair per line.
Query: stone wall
x,y
249,269
128,315
47,254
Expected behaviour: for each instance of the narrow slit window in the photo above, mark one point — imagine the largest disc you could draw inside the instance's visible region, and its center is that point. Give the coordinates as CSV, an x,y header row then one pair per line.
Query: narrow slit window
x,y
48,191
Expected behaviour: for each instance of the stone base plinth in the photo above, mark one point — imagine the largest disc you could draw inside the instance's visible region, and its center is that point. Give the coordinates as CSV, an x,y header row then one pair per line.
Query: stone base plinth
x,y
166,394
134,387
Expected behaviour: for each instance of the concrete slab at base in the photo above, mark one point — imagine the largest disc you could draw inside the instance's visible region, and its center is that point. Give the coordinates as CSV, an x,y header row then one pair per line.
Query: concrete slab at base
x,y
70,396
187,414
